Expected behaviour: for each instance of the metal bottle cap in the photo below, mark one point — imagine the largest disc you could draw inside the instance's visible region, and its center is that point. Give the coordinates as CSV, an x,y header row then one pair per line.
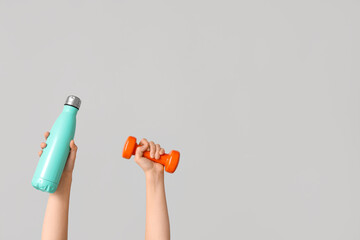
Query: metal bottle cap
x,y
73,101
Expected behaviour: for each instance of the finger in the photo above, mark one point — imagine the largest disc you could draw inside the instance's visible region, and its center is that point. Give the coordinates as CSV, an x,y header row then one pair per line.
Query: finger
x,y
152,149
157,151
40,152
144,145
162,151
46,135
73,150
138,153
43,145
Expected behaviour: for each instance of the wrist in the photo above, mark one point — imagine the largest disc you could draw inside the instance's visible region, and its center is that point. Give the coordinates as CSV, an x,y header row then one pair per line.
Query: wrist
x,y
66,178
154,174
154,177
64,184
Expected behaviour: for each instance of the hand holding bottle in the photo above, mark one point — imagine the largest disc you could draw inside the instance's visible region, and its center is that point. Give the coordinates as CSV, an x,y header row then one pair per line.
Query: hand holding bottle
x,y
70,162
54,157
57,210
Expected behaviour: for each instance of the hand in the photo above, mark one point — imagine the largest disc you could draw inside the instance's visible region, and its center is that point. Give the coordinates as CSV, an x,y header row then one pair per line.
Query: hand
x,y
55,224
155,152
70,162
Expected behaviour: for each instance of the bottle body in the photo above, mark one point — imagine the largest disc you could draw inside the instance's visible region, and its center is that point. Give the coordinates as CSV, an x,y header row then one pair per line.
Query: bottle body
x,y
53,159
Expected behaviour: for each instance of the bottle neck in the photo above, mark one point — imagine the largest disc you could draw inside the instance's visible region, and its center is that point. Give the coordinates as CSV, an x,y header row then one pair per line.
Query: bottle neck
x,y
70,109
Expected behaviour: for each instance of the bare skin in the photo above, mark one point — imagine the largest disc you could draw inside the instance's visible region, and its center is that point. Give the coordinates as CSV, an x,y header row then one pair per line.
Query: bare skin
x,y
157,225
55,226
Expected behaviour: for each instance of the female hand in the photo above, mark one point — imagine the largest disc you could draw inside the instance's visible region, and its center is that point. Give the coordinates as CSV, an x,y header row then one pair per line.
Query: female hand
x,y
155,152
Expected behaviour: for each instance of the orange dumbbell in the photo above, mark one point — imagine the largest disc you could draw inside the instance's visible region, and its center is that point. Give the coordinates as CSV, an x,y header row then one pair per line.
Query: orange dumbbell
x,y
170,161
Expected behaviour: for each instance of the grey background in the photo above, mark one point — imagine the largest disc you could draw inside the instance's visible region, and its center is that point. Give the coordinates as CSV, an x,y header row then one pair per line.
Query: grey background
x,y
260,97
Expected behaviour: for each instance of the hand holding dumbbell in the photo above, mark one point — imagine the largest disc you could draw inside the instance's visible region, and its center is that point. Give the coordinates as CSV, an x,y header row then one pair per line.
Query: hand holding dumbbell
x,y
170,161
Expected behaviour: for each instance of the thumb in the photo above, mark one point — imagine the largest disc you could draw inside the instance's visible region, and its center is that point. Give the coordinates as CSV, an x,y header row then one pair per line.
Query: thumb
x,y
139,152
141,148
73,150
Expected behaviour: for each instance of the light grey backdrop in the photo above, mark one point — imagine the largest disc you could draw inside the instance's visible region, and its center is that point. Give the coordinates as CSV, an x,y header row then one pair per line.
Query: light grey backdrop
x,y
261,98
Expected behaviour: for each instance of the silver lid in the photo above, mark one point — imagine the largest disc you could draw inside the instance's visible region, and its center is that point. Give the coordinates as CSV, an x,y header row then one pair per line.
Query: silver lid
x,y
73,101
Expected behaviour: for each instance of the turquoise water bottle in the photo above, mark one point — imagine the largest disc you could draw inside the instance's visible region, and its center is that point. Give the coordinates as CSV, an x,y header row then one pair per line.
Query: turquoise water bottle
x,y
53,159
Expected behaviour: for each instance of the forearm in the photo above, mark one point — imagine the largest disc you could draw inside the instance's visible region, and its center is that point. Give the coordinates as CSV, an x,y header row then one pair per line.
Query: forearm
x,y
55,226
157,218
